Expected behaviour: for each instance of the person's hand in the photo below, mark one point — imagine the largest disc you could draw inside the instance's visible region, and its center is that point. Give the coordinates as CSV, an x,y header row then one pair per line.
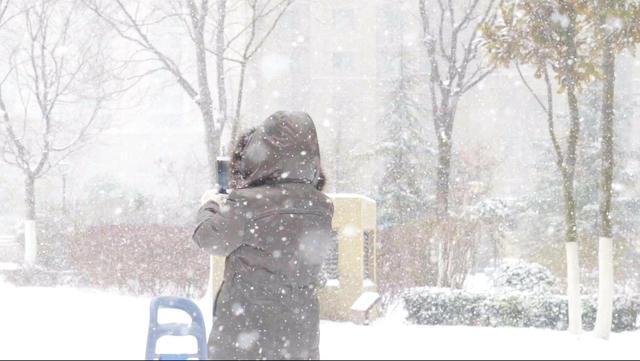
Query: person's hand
x,y
213,196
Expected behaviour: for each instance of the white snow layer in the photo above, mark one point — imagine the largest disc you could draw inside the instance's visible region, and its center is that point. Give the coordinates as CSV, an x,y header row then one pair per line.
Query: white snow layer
x,y
63,323
366,301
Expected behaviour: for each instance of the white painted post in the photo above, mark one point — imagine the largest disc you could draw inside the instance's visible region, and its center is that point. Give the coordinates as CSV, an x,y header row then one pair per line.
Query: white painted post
x,y
606,289
573,281
30,243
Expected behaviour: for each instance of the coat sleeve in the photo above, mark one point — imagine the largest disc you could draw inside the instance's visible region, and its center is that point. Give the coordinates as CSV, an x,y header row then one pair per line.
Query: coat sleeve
x,y
221,228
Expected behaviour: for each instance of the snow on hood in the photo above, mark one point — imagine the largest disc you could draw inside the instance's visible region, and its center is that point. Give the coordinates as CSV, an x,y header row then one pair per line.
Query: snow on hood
x,y
284,149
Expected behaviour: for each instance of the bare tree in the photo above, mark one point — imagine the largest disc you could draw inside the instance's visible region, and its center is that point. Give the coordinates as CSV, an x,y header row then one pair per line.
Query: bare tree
x,y
453,42
255,41
211,34
4,6
52,88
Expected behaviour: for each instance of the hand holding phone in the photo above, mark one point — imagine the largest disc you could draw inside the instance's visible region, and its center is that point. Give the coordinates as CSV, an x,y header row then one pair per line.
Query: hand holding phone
x,y
224,169
213,195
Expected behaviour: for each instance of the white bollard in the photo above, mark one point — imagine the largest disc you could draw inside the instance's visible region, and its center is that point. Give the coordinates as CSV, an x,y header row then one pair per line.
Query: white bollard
x,y
30,243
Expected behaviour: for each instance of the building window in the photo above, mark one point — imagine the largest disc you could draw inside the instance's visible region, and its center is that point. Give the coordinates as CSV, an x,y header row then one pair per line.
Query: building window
x,y
389,29
344,20
389,65
343,61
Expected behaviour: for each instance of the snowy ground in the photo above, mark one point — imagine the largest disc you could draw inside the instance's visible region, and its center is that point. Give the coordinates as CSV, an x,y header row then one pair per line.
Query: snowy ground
x,y
63,323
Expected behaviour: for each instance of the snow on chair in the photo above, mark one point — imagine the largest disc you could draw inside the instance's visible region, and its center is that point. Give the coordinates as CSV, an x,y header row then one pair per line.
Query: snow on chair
x,y
195,329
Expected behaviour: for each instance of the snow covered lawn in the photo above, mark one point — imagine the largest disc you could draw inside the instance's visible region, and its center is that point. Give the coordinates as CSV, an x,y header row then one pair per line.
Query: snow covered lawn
x,y
62,323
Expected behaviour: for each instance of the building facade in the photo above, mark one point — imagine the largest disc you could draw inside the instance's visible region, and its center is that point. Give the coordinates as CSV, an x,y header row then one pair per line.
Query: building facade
x,y
333,59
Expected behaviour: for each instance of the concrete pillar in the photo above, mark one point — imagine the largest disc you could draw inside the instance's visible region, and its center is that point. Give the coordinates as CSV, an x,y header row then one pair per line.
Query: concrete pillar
x,y
355,223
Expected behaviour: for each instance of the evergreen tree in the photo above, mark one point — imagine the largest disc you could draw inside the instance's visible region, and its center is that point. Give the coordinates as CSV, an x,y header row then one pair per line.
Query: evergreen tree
x,y
403,148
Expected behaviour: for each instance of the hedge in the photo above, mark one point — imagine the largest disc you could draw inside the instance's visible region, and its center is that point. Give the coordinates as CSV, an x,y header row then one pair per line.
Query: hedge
x,y
140,260
429,306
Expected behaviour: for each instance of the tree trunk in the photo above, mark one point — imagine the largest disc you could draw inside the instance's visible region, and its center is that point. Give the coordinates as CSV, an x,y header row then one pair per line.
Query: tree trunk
x,y
214,133
443,181
606,274
445,248
573,259
212,141
205,102
573,289
30,231
571,224
235,130
30,197
220,62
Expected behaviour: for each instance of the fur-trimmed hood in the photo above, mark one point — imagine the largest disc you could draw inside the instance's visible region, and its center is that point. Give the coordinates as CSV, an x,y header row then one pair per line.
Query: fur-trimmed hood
x,y
284,149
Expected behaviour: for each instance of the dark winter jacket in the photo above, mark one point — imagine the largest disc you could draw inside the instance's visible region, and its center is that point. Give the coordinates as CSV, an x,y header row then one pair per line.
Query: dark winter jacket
x,y
274,230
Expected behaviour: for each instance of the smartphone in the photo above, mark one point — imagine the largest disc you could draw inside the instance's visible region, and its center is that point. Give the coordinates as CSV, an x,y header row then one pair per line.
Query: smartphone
x,y
224,169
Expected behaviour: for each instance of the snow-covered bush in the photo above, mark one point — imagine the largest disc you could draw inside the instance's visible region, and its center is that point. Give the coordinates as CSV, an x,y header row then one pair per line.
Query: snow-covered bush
x,y
444,307
504,311
524,277
429,306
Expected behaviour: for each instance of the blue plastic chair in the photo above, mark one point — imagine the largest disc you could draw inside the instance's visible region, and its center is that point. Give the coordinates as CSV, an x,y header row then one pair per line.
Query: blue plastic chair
x,y
195,329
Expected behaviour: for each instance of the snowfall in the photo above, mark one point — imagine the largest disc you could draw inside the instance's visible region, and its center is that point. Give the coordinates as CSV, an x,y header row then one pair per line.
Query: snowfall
x,y
66,323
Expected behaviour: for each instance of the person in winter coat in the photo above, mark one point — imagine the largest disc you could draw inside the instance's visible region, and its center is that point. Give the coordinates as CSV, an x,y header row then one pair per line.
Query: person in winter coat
x,y
274,230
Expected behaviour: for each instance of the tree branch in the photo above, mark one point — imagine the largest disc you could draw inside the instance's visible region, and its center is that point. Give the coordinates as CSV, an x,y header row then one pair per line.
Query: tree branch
x,y
535,95
46,75
430,45
285,4
20,150
4,6
473,82
262,14
83,131
143,41
551,119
